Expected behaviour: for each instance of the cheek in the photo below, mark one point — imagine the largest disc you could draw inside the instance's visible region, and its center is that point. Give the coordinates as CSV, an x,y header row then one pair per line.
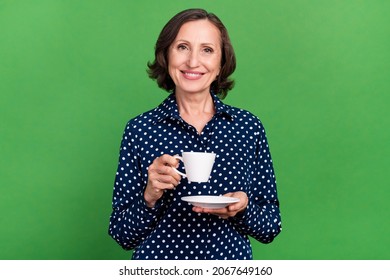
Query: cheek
x,y
171,73
171,65
215,66
176,59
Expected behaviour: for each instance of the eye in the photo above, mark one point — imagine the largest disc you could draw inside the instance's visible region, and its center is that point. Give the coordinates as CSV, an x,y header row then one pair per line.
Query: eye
x,y
182,47
208,50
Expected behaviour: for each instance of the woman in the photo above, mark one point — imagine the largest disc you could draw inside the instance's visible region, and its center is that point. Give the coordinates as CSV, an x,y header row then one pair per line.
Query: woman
x,y
193,60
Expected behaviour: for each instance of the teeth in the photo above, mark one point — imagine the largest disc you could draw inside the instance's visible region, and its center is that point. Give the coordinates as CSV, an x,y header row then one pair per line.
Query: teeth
x,y
192,74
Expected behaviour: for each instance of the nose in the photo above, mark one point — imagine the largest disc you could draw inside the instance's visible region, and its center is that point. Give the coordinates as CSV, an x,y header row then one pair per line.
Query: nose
x,y
193,59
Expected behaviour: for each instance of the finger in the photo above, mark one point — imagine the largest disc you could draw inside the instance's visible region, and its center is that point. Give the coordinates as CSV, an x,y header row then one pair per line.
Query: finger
x,y
236,206
230,194
168,170
240,205
224,217
175,176
168,160
161,166
197,209
161,186
167,179
218,212
164,174
222,213
201,210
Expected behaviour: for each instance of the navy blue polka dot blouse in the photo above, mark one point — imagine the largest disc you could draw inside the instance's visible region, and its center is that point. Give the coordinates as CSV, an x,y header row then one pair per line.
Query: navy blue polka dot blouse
x,y
171,230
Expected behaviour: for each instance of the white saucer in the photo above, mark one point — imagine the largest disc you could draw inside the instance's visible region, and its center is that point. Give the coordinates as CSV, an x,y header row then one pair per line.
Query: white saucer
x,y
210,201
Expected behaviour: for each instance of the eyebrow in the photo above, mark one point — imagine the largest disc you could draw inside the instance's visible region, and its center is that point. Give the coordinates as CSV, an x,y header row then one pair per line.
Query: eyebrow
x,y
188,42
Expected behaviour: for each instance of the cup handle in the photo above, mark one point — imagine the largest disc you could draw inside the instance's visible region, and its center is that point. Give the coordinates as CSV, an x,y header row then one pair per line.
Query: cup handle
x,y
177,171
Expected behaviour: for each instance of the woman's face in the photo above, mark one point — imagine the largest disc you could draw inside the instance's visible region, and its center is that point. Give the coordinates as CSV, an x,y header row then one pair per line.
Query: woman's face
x,y
194,57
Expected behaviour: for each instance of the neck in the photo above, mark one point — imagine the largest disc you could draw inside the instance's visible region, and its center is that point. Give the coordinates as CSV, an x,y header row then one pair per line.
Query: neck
x,y
196,109
195,104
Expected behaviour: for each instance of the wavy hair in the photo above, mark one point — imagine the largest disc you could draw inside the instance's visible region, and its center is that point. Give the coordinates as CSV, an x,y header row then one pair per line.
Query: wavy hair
x,y
158,69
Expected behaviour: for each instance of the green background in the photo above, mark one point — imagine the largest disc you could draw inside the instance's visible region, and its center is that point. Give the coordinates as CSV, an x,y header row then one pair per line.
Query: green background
x,y
72,73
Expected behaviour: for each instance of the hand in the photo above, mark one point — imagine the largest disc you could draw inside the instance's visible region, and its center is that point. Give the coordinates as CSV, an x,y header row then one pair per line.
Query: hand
x,y
229,211
161,176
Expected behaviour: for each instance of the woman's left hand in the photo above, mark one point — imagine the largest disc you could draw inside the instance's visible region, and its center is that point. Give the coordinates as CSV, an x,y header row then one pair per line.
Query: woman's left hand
x,y
229,211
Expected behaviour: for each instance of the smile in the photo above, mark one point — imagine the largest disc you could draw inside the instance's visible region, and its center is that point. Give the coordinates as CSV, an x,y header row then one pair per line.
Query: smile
x,y
192,75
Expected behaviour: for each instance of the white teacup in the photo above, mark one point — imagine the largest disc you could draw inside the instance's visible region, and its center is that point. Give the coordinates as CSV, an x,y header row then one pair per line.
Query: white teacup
x,y
198,165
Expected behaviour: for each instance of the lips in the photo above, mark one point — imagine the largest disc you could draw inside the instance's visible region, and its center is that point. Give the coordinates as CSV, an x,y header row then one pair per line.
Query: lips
x,y
191,75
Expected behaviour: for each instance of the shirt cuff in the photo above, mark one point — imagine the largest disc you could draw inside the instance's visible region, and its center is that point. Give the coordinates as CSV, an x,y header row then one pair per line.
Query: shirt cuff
x,y
246,214
146,211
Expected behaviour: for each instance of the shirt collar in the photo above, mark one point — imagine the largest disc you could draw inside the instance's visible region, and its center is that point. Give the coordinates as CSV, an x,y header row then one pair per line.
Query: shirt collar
x,y
168,109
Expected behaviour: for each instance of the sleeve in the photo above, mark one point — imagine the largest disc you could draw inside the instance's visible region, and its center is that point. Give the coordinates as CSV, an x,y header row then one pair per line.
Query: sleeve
x,y
261,219
131,221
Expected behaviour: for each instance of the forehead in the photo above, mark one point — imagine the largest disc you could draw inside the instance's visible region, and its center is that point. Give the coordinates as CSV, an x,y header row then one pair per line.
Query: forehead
x,y
203,31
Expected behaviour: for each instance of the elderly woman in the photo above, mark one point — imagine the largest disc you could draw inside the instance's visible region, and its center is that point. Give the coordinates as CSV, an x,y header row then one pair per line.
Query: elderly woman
x,y
193,61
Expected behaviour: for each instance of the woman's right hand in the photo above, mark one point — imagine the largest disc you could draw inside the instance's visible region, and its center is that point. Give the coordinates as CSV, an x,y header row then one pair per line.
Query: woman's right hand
x,y
161,176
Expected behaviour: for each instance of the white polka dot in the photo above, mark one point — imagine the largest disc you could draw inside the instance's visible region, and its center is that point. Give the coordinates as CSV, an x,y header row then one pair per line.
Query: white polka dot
x,y
171,230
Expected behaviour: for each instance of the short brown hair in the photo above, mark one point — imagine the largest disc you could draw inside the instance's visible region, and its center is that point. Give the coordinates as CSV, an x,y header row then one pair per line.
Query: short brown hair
x,y
158,70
